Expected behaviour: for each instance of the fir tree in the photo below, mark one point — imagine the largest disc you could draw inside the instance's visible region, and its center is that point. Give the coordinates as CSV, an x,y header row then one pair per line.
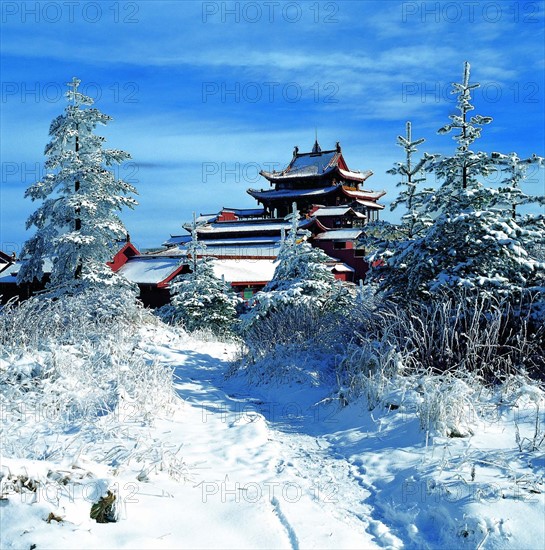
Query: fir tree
x,y
199,299
416,220
475,243
301,278
77,225
384,241
515,171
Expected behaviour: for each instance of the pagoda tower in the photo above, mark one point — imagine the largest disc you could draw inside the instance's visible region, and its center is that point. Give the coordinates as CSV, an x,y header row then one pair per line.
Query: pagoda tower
x,y
317,178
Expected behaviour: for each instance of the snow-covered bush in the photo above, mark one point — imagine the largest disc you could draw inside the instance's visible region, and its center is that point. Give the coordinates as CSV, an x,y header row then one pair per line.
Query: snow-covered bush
x,y
302,279
201,301
446,340
447,404
74,364
299,318
474,334
369,369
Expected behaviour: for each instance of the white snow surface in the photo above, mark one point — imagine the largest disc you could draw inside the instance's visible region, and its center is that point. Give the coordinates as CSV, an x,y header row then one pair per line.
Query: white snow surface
x,y
286,467
149,269
239,271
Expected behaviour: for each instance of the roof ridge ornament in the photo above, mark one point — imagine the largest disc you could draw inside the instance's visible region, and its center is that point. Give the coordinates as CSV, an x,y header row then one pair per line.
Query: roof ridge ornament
x,y
316,148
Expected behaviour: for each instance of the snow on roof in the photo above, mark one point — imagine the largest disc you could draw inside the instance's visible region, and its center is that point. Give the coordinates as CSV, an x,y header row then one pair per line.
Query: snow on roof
x,y
244,271
336,211
287,193
236,241
226,227
332,211
343,268
248,226
266,250
176,240
362,194
172,251
339,235
311,163
149,269
206,218
353,174
8,274
245,212
370,204
4,265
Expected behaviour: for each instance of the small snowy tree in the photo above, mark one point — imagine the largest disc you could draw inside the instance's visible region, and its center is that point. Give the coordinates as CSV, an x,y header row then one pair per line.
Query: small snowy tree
x,y
199,299
384,241
515,171
77,226
302,278
416,220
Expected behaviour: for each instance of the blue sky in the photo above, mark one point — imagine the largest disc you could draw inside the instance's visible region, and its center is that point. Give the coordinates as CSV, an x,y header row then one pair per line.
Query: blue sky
x,y
203,94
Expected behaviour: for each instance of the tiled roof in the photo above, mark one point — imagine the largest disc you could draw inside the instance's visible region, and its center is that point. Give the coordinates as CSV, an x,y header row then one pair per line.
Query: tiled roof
x,y
336,211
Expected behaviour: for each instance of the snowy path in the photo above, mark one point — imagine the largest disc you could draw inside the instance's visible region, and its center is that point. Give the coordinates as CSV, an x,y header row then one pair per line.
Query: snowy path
x,y
259,467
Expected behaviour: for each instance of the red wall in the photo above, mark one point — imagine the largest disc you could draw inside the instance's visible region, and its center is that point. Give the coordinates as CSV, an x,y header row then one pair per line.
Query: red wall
x,y
345,255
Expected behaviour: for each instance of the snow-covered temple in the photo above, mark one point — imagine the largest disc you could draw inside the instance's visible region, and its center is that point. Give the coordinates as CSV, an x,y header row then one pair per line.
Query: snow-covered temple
x,y
332,199
329,195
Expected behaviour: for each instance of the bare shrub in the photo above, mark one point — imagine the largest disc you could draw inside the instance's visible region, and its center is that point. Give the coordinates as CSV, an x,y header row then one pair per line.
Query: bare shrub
x,y
368,369
67,362
485,337
447,405
292,343
444,353
299,326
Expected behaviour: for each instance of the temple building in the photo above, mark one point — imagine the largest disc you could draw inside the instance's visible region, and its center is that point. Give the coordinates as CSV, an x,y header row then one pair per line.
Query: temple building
x,y
317,178
330,197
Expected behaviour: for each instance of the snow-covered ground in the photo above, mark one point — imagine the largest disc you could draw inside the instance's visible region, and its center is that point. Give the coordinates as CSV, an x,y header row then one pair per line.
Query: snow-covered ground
x,y
235,466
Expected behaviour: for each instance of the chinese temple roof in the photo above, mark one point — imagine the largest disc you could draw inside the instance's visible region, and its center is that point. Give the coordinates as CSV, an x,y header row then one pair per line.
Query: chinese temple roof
x,y
317,164
361,195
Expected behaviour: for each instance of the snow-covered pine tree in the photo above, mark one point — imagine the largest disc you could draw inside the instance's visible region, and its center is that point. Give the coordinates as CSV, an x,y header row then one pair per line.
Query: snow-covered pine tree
x,y
301,278
510,195
199,299
385,241
474,244
415,221
531,226
77,224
